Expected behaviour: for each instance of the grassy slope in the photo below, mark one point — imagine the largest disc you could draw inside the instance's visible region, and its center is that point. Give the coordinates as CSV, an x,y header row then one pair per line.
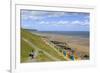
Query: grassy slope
x,y
25,49
36,40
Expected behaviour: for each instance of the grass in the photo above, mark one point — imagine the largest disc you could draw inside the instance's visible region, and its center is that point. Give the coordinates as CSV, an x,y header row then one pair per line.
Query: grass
x,y
42,57
25,50
36,40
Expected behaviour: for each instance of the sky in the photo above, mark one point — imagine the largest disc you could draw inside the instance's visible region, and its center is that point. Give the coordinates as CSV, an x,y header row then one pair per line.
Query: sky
x,y
54,20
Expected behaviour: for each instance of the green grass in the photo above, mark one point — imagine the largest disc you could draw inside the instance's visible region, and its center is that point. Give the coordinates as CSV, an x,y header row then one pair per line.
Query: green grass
x,y
25,50
42,58
36,40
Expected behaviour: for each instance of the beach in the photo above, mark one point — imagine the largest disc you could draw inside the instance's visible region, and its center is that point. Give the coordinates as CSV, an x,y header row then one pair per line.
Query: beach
x,y
80,44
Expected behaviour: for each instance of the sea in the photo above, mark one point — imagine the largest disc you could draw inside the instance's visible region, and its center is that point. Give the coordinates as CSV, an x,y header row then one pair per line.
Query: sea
x,y
84,34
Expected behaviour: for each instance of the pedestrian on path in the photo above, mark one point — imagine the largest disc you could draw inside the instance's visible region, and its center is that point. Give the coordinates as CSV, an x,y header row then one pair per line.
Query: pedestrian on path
x,y
31,54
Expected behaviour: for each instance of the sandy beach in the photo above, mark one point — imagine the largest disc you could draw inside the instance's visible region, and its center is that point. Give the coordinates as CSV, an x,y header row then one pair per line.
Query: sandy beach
x,y
80,44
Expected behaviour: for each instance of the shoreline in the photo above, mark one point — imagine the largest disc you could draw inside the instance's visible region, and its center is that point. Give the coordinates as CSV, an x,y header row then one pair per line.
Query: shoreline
x,y
80,44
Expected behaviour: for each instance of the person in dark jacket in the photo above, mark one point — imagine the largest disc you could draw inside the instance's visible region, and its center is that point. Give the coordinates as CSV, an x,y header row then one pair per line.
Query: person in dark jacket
x,y
32,54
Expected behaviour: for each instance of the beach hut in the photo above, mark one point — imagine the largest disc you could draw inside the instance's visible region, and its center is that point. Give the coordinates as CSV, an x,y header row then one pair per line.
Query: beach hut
x,y
72,57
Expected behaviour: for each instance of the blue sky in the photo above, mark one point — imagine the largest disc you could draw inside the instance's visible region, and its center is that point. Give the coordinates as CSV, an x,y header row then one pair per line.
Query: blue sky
x,y
54,21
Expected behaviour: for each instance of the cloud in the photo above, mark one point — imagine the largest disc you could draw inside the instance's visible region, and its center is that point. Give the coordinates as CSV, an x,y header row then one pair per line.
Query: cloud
x,y
59,14
31,12
44,22
32,15
56,14
76,22
61,22
37,15
82,23
64,23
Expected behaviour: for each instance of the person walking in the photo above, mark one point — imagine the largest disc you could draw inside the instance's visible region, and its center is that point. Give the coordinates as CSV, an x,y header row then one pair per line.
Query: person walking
x,y
31,54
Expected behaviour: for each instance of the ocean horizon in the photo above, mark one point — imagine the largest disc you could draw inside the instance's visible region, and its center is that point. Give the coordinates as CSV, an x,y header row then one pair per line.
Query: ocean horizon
x,y
84,34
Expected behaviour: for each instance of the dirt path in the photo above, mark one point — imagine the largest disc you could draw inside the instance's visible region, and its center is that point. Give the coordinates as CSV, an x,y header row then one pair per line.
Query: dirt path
x,y
36,48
